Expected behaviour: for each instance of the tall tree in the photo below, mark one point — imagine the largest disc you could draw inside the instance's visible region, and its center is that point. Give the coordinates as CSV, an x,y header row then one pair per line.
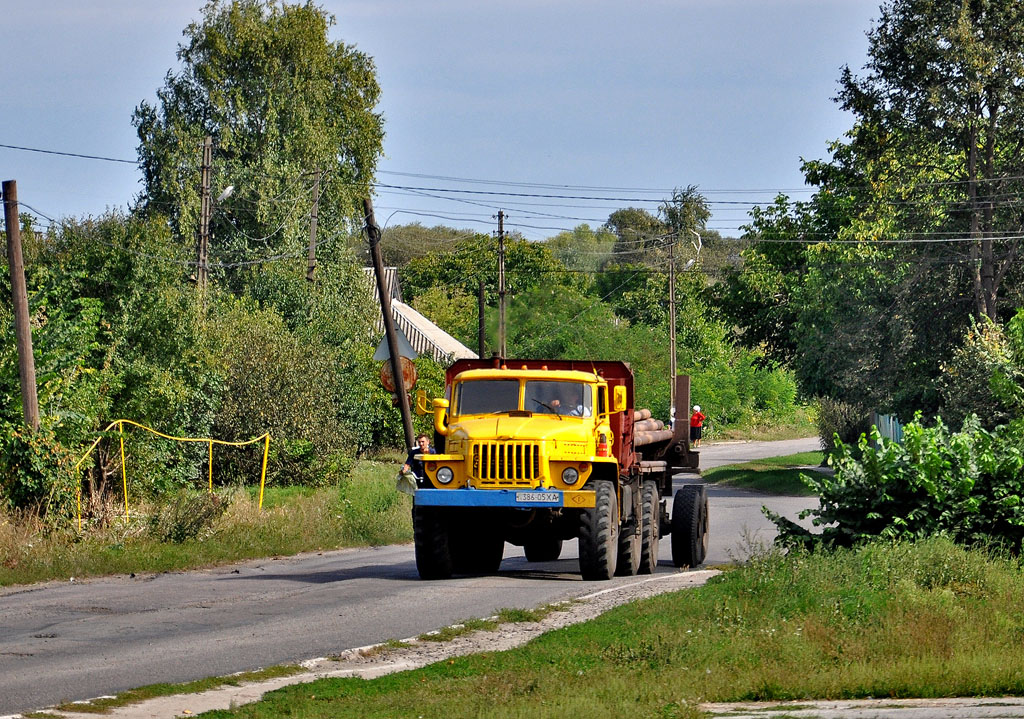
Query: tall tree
x,y
943,85
284,104
637,231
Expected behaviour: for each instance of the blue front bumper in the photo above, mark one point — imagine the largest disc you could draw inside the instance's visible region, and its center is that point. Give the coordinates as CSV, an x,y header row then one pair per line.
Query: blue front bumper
x,y
519,499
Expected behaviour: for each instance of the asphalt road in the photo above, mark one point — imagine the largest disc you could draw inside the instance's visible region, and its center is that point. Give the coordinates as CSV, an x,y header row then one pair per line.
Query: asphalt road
x,y
73,640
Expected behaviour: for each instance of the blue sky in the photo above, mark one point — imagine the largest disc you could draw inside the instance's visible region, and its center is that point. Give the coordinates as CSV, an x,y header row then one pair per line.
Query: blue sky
x,y
637,97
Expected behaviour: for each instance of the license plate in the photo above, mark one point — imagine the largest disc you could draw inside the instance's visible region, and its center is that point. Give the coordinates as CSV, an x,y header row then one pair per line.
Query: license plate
x,y
540,497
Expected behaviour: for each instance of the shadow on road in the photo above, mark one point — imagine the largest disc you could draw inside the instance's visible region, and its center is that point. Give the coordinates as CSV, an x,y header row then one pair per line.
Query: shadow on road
x,y
405,571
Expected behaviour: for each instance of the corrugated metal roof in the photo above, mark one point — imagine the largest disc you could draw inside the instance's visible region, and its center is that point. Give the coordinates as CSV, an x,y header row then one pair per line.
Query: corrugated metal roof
x,y
424,336
390,281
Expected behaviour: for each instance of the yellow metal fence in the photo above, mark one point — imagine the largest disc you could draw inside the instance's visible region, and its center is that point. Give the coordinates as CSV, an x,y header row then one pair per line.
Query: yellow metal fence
x,y
120,423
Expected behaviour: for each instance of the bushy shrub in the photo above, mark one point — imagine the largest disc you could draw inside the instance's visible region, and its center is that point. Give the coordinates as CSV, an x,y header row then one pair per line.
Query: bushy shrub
x,y
274,383
35,471
844,420
982,378
968,485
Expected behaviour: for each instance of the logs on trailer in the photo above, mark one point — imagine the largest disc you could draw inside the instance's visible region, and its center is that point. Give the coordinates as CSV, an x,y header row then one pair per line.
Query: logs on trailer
x,y
642,438
647,430
648,425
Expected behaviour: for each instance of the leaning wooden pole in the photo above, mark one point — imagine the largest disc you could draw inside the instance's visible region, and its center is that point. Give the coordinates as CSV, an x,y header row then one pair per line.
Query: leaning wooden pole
x,y
373,233
19,296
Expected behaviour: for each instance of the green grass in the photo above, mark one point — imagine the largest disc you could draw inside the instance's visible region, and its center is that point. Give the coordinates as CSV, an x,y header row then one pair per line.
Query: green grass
x,y
924,620
775,475
365,510
151,691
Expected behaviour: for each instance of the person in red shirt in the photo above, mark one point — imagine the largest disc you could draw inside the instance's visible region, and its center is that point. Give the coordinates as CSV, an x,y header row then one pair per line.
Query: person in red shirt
x,y
696,425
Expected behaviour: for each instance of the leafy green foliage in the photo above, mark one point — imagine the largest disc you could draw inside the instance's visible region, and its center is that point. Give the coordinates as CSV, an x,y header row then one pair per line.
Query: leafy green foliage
x,y
399,244
272,383
283,103
967,485
453,310
115,336
983,378
637,231
35,471
468,262
942,91
583,249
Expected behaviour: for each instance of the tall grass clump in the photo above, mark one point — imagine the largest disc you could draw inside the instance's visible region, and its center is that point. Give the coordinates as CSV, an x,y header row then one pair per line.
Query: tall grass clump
x,y
926,619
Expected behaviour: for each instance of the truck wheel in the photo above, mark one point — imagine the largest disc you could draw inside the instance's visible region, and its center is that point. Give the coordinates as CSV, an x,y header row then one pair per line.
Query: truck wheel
x,y
629,555
599,534
690,526
651,530
545,549
430,537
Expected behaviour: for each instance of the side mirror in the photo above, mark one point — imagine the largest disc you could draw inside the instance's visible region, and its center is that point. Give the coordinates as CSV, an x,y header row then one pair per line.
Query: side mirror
x,y
421,402
619,399
440,409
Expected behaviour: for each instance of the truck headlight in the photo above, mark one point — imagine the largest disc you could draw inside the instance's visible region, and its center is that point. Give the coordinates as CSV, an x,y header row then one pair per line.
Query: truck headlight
x,y
445,475
570,475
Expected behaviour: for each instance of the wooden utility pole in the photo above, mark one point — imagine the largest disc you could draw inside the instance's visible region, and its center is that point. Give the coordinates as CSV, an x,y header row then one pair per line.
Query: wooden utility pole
x,y
373,233
481,332
672,329
502,349
311,266
19,296
206,209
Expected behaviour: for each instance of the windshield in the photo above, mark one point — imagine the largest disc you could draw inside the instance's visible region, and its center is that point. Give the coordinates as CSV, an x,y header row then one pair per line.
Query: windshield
x,y
569,399
486,396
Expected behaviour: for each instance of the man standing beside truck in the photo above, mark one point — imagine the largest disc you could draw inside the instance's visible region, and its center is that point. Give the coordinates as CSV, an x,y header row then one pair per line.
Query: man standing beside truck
x,y
416,465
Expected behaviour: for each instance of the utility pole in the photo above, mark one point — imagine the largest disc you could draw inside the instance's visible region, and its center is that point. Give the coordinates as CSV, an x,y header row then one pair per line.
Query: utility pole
x,y
672,329
373,233
502,349
206,209
311,266
480,321
19,296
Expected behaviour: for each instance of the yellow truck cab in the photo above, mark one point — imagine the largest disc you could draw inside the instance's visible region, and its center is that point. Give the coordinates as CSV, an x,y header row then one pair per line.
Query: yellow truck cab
x,y
534,452
537,432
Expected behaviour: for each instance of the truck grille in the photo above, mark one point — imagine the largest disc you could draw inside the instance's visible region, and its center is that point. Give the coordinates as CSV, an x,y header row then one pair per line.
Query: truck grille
x,y
506,464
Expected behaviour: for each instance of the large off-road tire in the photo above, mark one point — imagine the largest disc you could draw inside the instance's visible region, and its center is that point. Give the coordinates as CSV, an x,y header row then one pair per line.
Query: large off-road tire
x,y
690,526
543,549
650,531
599,534
431,540
628,563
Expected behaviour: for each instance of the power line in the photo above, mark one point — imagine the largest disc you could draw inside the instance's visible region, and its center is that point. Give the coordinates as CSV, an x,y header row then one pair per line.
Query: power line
x,y
69,154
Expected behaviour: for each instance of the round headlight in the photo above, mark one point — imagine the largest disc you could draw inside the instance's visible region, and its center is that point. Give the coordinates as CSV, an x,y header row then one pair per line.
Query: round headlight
x,y
570,475
445,475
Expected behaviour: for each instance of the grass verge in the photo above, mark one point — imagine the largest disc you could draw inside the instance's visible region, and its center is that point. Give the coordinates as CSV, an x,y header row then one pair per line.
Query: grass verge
x,y
104,705
775,475
910,620
364,510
